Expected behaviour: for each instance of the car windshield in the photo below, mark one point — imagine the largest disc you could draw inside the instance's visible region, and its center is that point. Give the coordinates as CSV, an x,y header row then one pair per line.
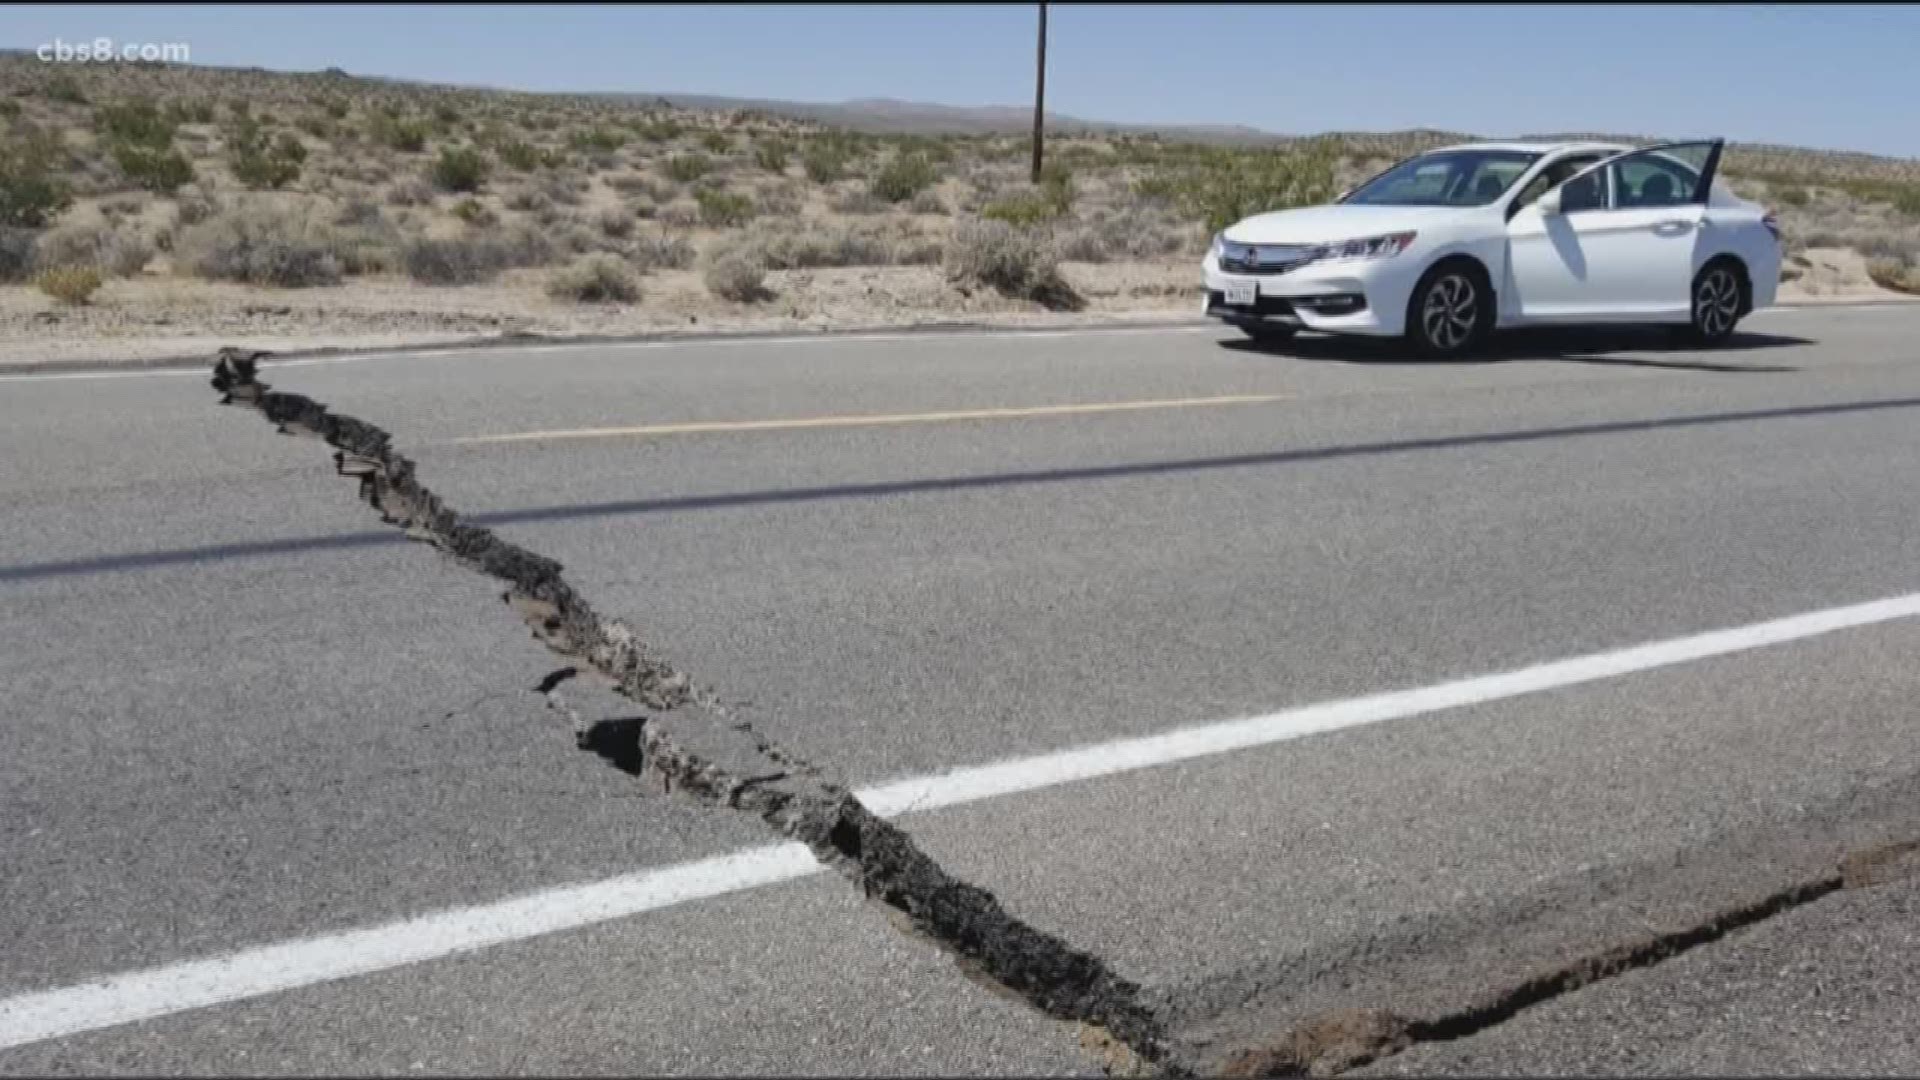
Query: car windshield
x,y
1449,178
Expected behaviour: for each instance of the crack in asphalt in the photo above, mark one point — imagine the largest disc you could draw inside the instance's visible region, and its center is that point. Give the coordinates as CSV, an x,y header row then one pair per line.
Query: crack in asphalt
x,y
724,762
990,945
1333,1042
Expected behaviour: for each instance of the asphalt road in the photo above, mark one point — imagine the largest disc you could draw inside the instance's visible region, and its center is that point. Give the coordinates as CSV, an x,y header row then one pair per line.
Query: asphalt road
x,y
244,713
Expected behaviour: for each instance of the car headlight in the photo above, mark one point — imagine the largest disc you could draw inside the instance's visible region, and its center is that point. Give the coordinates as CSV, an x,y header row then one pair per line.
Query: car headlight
x,y
1371,247
1213,249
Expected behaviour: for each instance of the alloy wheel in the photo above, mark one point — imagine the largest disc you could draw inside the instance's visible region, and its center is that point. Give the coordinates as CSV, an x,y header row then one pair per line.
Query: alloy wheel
x,y
1716,303
1451,308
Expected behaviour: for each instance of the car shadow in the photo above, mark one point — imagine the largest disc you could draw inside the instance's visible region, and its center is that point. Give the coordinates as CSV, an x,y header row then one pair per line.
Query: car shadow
x,y
1644,347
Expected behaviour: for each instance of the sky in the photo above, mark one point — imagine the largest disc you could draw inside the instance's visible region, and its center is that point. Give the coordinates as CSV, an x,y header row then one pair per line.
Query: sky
x,y
1831,76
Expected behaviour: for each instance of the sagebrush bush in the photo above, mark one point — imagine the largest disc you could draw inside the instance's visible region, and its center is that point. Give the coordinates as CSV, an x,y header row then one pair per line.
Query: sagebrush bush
x,y
261,163
162,171
407,136
686,168
69,284
459,169
825,162
615,222
409,193
259,245
474,212
737,273
903,177
657,251
716,142
723,209
596,278
928,202
31,189
135,122
111,251
461,261
1015,262
771,155
814,245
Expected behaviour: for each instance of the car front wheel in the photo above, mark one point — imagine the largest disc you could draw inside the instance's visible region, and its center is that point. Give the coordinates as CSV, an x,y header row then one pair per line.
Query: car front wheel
x,y
1718,297
1450,312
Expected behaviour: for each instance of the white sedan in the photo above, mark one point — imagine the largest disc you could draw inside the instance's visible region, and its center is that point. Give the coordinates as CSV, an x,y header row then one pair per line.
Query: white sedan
x,y
1448,246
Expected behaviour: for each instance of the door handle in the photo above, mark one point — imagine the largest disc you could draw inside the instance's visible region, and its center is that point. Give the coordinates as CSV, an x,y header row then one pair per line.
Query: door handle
x,y
1672,228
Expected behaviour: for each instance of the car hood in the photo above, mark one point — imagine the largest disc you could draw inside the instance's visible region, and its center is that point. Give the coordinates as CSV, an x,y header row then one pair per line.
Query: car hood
x,y
1320,224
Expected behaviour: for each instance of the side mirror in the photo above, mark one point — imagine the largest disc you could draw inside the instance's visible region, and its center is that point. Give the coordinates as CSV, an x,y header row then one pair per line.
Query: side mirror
x,y
1342,197
1549,203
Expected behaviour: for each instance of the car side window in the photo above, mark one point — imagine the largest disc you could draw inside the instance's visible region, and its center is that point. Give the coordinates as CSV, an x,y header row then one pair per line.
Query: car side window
x,y
1650,181
1587,192
1552,176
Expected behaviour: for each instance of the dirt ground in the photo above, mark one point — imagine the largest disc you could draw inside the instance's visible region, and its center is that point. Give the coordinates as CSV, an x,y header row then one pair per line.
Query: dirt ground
x,y
159,316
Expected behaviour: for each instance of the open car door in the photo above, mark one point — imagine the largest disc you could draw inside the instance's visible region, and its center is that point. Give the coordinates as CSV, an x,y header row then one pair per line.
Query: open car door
x,y
1617,240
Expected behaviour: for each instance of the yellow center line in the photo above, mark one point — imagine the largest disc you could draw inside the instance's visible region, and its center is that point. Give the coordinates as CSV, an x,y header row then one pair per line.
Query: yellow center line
x,y
876,420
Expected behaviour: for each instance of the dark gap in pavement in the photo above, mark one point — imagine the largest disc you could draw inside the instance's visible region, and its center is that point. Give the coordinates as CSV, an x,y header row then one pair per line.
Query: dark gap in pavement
x,y
885,489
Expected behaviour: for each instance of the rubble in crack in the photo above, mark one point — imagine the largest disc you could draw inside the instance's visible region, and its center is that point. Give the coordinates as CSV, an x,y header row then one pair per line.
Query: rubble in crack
x,y
711,757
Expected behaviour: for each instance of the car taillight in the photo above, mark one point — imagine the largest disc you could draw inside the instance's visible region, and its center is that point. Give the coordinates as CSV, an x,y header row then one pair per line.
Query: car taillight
x,y
1772,221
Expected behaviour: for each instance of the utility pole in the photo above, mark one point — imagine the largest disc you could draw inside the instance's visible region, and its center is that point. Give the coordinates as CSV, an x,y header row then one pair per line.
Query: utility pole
x,y
1040,93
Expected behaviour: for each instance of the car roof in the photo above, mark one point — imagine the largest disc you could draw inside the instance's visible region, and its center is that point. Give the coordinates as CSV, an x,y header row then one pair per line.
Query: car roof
x,y
1537,147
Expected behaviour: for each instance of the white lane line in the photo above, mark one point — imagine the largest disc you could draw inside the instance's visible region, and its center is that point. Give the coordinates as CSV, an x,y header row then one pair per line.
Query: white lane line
x,y
141,995
511,351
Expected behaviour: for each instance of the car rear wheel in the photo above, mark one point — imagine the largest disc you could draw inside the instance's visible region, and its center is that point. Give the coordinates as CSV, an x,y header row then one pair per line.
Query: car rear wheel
x,y
1719,299
1450,312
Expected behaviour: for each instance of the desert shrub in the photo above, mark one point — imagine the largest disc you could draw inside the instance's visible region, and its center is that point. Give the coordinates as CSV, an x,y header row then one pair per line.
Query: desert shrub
x,y
1014,262
526,198
659,131
315,127
102,248
162,171
686,168
1023,211
520,246
563,189
335,107
1895,274
63,89
716,142
814,245
928,202
657,251
463,261
903,177
781,200
410,193
407,136
459,169
69,284
856,200
615,223
520,156
134,122
16,253
261,163
771,155
31,192
636,184
723,209
474,212
679,215
1222,186
825,161
737,273
605,140
1791,196
259,246
596,278
9,109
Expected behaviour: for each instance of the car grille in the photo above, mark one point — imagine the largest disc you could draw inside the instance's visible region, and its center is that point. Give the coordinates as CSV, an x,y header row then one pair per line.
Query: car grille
x,y
1263,258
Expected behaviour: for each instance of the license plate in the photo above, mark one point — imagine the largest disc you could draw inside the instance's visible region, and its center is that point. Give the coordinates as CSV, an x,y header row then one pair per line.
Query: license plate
x,y
1243,293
